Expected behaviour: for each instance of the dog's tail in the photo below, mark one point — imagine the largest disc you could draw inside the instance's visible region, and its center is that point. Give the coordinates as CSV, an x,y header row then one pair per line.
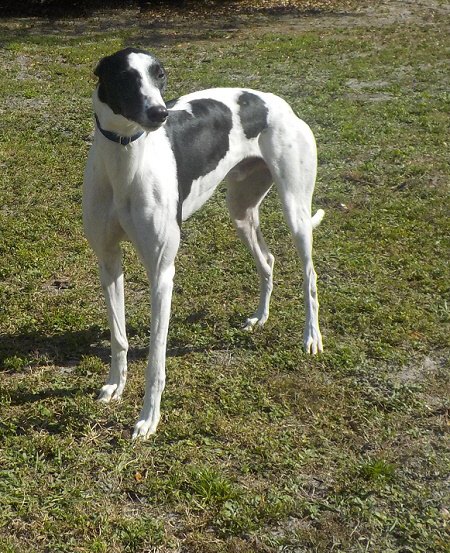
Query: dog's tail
x,y
317,218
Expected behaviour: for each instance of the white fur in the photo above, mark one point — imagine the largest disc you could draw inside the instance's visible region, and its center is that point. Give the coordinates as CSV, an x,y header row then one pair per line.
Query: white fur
x,y
142,64
131,193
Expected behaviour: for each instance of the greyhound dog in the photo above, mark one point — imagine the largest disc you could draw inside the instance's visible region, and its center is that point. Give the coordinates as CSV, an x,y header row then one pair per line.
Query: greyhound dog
x,y
153,164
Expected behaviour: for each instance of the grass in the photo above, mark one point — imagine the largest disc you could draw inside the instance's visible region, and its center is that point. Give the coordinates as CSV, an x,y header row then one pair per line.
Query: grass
x,y
260,448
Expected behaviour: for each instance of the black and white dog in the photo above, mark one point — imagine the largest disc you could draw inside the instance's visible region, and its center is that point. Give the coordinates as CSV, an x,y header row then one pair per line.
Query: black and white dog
x,y
153,164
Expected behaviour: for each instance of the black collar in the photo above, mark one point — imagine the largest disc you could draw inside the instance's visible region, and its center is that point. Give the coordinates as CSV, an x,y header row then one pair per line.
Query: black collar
x,y
123,140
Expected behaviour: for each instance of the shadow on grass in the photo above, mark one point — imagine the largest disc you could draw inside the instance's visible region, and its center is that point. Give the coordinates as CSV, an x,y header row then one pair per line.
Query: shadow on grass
x,y
155,29
18,351
67,349
22,397
135,30
55,411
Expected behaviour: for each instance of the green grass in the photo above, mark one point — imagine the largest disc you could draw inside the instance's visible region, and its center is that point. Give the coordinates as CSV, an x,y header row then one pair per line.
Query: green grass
x,y
260,448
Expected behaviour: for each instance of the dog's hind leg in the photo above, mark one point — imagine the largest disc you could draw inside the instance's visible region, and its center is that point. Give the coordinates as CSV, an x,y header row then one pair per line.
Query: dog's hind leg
x,y
292,159
301,226
247,186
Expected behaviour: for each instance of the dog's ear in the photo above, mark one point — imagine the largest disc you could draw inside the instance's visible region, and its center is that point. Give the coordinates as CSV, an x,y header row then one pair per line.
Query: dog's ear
x,y
99,72
102,66
99,69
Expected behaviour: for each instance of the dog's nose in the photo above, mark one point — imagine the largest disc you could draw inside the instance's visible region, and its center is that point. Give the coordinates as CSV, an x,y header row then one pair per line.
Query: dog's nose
x,y
157,114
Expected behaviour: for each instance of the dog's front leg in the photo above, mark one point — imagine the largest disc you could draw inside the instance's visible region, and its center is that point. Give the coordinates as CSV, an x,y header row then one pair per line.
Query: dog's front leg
x,y
155,374
111,276
161,270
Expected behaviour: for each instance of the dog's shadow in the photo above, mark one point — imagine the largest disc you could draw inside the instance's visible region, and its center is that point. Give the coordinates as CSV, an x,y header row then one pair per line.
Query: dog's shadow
x,y
26,352
64,349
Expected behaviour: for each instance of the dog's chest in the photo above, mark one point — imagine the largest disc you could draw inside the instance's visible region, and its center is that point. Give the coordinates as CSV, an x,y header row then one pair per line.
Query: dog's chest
x,y
141,175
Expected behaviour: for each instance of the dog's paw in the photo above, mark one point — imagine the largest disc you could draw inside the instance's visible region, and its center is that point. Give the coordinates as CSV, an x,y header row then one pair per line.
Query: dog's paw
x,y
250,323
255,320
108,393
144,429
313,343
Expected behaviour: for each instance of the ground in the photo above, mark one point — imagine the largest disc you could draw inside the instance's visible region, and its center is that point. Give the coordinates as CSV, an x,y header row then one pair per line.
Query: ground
x,y
260,448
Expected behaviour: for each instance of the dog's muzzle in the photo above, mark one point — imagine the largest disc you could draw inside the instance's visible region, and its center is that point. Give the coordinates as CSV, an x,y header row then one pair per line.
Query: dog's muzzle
x,y
156,115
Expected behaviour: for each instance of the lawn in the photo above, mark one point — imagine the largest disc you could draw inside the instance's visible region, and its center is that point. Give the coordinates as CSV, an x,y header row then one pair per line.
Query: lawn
x,y
260,447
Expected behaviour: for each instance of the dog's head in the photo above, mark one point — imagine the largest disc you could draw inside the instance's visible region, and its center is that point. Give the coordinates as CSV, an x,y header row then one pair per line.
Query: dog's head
x,y
132,83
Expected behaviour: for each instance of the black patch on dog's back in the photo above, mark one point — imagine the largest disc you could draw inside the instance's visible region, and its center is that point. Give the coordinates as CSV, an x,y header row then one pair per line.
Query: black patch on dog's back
x,y
200,138
252,113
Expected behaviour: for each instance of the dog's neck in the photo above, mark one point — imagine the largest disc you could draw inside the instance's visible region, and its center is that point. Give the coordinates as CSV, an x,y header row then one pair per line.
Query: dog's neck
x,y
111,122
117,138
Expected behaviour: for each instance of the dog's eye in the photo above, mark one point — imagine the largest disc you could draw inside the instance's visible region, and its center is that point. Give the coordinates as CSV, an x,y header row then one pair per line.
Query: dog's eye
x,y
158,72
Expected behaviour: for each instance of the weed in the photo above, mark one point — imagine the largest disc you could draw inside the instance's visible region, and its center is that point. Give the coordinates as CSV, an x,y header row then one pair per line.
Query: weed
x,y
377,469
